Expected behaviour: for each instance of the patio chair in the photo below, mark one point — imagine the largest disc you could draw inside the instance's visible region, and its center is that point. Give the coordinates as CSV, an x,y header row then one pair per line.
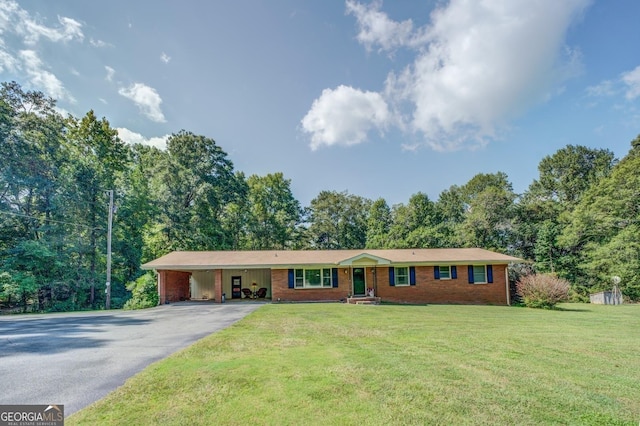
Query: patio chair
x,y
247,293
262,292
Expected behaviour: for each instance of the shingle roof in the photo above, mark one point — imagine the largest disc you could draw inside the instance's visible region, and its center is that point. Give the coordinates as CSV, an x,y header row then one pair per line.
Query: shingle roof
x,y
194,260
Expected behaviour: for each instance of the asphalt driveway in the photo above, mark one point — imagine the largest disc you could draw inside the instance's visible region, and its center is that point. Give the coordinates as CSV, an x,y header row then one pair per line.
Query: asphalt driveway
x,y
77,358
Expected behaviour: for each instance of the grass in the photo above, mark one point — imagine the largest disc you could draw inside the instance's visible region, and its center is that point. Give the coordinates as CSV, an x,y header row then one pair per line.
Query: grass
x,y
336,364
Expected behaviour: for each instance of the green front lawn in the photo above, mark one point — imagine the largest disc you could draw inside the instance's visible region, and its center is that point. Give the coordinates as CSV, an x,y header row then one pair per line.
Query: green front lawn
x,y
336,364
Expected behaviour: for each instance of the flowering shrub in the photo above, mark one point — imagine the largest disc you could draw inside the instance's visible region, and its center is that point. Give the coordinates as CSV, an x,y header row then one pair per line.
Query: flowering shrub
x,y
542,291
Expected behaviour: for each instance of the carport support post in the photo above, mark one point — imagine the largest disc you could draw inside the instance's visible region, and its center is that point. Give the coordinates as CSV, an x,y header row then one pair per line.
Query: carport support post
x,y
162,287
218,285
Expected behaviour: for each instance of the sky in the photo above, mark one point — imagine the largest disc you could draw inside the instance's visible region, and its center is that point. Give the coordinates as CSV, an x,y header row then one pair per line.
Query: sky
x,y
379,99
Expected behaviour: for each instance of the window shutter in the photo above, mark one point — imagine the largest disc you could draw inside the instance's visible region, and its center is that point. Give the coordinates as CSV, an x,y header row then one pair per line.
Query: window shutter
x,y
412,275
392,278
454,272
292,278
334,276
436,272
489,273
470,274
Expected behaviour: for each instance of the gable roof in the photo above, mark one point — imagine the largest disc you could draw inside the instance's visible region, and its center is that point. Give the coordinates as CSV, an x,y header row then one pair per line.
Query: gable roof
x,y
364,258
277,259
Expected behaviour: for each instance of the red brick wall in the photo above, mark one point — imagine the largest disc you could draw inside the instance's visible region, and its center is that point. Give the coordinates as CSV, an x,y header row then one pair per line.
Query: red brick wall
x,y
174,286
217,285
280,288
426,290
430,290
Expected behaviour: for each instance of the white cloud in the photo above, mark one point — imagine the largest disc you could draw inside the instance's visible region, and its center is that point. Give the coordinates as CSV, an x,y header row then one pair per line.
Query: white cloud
x,y
477,65
632,80
476,73
165,58
344,116
41,78
62,111
99,43
604,88
7,61
18,22
110,73
147,100
376,27
69,29
132,138
628,83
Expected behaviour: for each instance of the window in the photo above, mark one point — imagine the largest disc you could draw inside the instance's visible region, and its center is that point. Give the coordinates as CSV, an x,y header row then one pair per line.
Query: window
x,y
479,274
313,278
449,272
402,276
445,272
299,278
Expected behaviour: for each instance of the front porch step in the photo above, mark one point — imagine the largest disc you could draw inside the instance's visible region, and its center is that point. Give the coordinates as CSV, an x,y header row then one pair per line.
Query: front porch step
x,y
363,300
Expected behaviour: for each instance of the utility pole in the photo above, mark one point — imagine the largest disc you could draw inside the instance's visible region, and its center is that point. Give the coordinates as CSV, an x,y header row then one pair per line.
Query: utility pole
x,y
108,287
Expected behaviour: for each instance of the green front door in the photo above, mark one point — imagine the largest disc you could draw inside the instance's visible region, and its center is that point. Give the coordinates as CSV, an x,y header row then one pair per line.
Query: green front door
x,y
358,282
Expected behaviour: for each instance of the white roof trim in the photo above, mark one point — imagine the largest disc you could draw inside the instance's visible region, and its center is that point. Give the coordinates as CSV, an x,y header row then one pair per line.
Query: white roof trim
x,y
376,260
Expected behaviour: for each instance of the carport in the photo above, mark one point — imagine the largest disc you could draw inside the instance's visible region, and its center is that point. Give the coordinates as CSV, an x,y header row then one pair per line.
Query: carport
x,y
194,276
175,286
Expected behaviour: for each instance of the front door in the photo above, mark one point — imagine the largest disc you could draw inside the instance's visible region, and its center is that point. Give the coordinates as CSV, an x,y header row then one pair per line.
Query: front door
x,y
358,282
236,286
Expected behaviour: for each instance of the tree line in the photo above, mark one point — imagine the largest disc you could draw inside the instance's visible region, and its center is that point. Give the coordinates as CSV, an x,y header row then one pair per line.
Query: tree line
x,y
579,219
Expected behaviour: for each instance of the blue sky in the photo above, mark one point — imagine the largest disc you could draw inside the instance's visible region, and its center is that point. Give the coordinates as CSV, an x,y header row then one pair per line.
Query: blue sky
x,y
381,99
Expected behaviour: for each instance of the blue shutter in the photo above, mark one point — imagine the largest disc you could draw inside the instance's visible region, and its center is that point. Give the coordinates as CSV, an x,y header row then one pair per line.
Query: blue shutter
x,y
454,272
412,275
489,273
470,274
334,276
392,277
292,278
436,272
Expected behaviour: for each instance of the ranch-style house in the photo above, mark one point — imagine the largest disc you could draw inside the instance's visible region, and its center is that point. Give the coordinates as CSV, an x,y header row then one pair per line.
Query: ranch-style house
x,y
451,275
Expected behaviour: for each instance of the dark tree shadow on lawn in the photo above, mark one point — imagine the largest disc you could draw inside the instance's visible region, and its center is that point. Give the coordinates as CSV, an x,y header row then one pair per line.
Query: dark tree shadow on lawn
x,y
571,309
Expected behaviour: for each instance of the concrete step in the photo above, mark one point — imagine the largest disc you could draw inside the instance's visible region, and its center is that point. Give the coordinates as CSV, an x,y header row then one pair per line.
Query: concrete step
x,y
361,300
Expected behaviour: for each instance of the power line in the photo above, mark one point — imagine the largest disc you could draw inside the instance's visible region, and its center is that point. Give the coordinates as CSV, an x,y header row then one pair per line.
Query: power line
x,y
79,225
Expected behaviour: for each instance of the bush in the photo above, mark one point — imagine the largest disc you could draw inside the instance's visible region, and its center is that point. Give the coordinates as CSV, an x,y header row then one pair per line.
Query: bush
x,y
542,291
144,293
119,302
579,294
63,306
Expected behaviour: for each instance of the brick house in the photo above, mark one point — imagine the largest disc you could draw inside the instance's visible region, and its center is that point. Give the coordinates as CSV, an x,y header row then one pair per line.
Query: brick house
x,y
467,275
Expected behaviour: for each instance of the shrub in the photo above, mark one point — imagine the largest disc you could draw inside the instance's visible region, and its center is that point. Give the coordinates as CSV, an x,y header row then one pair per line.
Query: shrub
x,y
63,306
118,302
543,290
144,293
579,294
